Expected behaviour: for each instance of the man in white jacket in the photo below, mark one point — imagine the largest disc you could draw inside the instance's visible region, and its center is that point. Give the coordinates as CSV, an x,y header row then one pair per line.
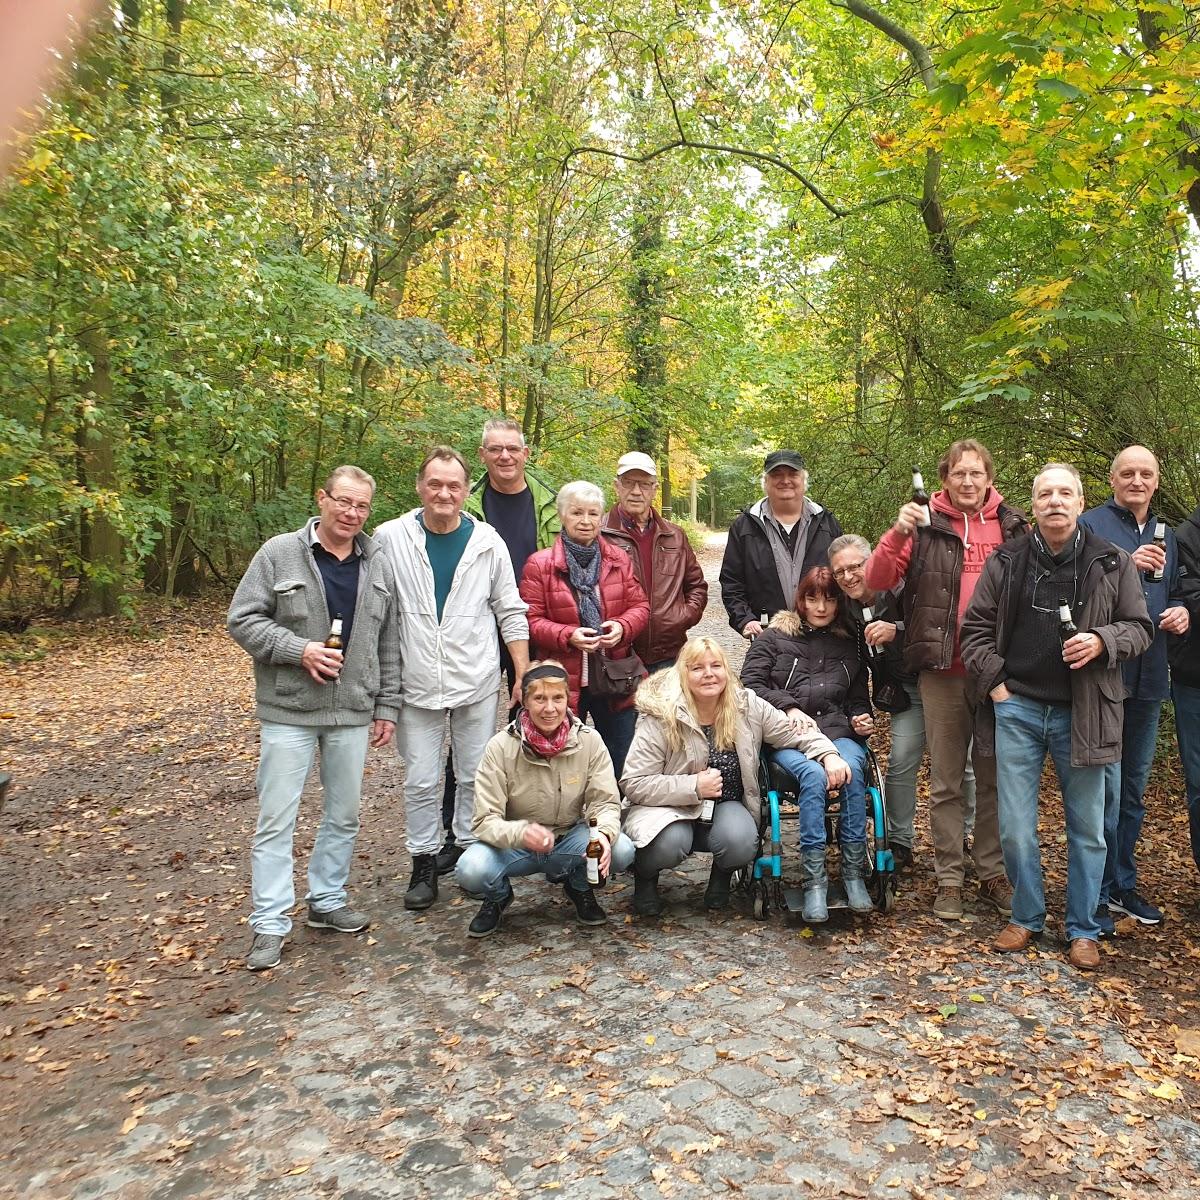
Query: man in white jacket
x,y
455,584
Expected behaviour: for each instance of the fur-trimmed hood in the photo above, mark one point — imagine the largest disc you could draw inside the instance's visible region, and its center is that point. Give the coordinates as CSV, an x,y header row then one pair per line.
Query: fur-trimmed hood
x,y
787,622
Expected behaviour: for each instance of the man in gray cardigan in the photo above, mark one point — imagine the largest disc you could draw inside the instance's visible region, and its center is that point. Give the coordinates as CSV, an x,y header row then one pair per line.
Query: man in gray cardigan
x,y
310,694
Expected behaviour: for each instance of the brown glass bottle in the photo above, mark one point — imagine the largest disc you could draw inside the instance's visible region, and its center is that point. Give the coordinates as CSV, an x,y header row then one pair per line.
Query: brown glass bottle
x,y
334,640
593,854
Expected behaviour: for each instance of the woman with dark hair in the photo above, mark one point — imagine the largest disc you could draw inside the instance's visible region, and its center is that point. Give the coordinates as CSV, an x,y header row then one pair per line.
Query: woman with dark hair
x,y
807,662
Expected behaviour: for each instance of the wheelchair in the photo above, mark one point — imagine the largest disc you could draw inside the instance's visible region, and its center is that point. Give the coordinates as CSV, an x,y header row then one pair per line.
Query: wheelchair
x,y
764,876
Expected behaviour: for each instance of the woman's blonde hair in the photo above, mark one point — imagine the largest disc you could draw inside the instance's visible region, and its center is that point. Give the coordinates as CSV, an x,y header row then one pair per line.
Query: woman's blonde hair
x,y
548,681
726,721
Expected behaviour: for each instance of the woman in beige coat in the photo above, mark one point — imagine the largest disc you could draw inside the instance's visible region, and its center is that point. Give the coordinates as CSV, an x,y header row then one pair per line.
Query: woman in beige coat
x,y
691,775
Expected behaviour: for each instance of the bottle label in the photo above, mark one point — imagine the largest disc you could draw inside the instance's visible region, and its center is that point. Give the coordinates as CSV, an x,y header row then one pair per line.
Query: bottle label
x,y
924,518
593,871
706,810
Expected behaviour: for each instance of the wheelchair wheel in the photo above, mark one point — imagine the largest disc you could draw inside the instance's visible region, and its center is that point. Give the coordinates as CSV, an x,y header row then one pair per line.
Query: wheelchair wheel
x,y
762,904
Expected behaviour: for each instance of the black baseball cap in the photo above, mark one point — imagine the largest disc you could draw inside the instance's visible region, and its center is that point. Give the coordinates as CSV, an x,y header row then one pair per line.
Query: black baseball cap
x,y
783,458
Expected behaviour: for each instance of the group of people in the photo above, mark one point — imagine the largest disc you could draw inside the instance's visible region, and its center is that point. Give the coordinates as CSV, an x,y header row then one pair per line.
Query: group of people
x,y
991,640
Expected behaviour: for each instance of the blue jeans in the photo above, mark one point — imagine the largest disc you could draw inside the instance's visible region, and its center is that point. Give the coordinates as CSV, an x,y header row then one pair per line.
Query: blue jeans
x,y
1187,729
285,759
811,794
1025,731
485,870
615,728
1124,789
900,787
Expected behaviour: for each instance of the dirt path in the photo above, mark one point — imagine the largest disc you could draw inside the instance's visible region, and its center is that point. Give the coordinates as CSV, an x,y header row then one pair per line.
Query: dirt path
x,y
699,1055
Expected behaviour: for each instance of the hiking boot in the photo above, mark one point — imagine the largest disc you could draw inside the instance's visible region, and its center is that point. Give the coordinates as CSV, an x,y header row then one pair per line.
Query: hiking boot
x,y
1084,954
1013,938
448,856
854,868
1106,921
587,911
948,904
646,900
816,886
423,886
344,920
1132,905
902,856
998,892
264,952
487,919
716,895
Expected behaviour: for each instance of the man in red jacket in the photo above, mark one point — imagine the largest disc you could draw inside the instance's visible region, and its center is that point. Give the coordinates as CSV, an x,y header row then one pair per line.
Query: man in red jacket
x,y
662,560
940,554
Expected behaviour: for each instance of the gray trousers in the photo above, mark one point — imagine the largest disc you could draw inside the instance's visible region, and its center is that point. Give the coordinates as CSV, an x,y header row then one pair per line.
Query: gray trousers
x,y
732,839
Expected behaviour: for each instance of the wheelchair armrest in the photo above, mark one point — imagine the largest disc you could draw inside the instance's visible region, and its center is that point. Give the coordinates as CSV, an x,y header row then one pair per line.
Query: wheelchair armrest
x,y
779,778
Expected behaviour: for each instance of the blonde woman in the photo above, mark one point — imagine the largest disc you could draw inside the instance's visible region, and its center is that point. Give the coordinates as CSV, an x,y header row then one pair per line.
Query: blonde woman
x,y
698,739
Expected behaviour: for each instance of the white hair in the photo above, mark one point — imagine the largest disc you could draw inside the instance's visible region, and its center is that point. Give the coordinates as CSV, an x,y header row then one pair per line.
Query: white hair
x,y
1057,466
850,541
579,491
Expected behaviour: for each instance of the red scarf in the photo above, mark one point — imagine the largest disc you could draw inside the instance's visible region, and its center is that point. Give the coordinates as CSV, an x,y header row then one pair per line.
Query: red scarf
x,y
541,744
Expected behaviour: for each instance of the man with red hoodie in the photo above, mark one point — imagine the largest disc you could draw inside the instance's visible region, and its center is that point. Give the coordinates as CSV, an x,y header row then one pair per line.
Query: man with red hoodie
x,y
940,555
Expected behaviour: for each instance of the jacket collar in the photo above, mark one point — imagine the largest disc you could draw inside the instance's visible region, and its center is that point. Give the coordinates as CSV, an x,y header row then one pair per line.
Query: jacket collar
x,y
364,545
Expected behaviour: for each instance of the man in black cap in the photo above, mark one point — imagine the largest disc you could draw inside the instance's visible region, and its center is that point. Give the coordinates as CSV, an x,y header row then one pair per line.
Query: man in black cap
x,y
773,544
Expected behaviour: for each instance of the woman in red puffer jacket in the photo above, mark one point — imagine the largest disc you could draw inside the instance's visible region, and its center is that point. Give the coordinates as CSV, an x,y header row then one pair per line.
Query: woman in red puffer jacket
x,y
584,599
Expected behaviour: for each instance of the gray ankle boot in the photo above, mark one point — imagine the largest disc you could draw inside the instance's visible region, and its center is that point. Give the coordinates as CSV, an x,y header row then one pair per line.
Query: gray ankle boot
x,y
854,869
816,886
646,902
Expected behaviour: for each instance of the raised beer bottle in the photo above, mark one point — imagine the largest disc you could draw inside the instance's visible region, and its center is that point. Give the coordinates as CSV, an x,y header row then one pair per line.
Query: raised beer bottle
x,y
920,495
334,640
1160,540
593,854
1066,625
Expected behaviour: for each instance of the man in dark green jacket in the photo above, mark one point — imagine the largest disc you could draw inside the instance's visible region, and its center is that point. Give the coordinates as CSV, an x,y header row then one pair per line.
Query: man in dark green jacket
x,y
1050,622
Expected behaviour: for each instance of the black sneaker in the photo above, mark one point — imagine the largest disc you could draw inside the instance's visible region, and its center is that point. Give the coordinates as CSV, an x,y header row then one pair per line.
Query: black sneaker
x,y
423,886
1104,918
448,856
587,911
1132,905
487,919
902,855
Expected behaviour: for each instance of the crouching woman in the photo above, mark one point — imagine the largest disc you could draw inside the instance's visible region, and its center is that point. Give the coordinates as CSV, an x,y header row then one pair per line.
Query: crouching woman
x,y
541,779
698,740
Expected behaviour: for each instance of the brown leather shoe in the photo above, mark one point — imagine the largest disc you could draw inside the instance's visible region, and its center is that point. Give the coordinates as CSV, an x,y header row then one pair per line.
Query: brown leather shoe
x,y
1013,938
998,893
1084,954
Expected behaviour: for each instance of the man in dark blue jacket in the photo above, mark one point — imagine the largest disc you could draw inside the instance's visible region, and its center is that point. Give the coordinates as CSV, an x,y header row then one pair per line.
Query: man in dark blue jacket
x,y
1185,677
1128,521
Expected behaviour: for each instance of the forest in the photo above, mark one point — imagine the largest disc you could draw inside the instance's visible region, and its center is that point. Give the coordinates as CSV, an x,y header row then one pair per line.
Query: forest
x,y
245,241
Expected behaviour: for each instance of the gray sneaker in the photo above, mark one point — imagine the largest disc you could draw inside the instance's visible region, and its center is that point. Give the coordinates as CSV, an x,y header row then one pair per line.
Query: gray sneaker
x,y
344,920
264,953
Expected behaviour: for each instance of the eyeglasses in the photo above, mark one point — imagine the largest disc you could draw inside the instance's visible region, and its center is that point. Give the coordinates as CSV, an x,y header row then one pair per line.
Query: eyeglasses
x,y
346,505
645,485
967,476
513,450
852,569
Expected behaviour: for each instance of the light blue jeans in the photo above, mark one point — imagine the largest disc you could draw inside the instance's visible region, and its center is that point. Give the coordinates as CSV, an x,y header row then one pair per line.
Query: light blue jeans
x,y
1025,731
285,759
420,741
811,794
904,760
1124,795
485,870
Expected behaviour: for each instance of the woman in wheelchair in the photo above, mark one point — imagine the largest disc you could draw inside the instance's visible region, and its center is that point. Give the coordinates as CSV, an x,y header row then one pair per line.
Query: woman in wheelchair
x,y
691,775
807,664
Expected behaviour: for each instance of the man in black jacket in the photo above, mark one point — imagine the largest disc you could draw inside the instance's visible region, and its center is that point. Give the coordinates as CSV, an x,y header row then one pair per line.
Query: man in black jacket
x,y
773,544
1185,676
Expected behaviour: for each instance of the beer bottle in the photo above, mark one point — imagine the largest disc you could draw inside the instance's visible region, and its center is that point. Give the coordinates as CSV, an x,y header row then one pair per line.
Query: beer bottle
x,y
334,640
593,854
1160,540
868,617
1066,626
920,495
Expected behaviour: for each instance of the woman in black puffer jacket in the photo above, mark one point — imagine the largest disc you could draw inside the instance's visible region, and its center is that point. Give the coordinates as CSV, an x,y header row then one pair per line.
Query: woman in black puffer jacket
x,y
808,662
